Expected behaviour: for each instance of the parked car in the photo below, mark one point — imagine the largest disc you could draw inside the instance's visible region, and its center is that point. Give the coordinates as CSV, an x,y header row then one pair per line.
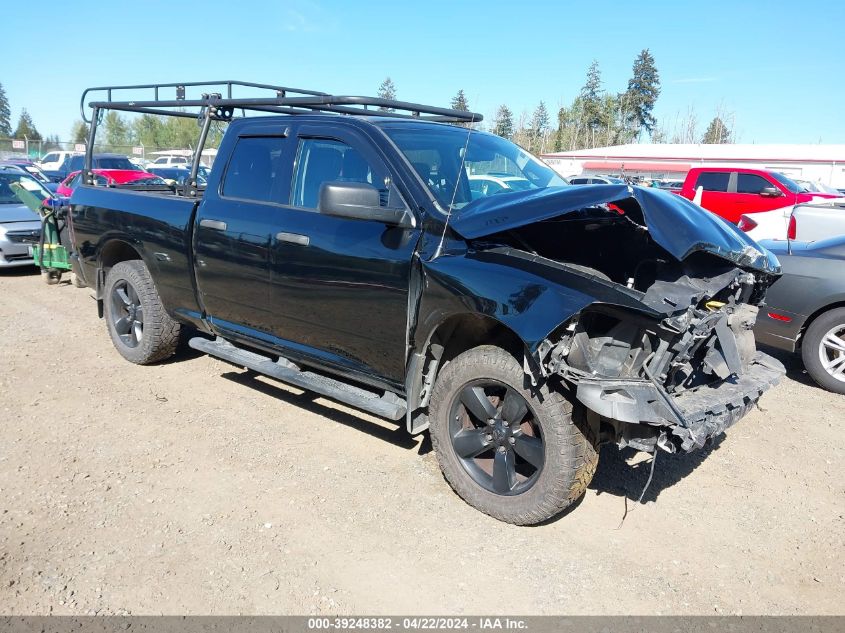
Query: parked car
x,y
488,184
819,189
171,161
730,192
670,184
19,226
52,161
805,308
522,330
177,175
596,180
109,178
101,161
33,170
803,222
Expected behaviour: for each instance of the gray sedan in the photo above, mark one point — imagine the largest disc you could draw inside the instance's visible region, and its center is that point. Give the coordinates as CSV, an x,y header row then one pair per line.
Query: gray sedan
x,y
805,309
19,226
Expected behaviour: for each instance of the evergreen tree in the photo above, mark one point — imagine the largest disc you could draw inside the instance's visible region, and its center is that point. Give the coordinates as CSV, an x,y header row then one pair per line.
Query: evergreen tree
x,y
717,132
79,132
591,103
5,115
539,128
503,122
637,102
51,142
118,134
459,102
387,90
26,128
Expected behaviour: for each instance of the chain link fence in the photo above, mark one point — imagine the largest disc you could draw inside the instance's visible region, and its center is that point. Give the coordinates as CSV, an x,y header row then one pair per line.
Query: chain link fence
x,y
36,149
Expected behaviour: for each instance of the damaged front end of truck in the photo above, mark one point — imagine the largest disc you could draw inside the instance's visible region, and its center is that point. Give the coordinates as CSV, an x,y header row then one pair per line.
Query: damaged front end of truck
x,y
661,352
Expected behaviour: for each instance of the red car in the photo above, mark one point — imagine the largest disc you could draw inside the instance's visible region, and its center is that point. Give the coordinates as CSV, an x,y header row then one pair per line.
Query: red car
x,y
730,192
109,177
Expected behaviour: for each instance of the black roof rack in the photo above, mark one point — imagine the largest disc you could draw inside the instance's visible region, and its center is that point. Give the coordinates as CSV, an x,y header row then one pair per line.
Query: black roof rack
x,y
279,100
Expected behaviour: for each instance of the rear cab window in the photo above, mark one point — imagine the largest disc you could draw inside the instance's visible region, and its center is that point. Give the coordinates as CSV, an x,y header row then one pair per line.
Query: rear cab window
x,y
256,172
713,180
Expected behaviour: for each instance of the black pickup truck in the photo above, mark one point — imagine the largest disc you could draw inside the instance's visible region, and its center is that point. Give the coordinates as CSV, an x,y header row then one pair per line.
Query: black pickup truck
x,y
440,275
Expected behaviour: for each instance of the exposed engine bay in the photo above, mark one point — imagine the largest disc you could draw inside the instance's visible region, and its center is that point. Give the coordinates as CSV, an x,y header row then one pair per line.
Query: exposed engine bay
x,y
672,374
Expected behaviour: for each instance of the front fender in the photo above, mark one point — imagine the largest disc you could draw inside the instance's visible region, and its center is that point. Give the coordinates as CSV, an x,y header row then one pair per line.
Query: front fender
x,y
528,294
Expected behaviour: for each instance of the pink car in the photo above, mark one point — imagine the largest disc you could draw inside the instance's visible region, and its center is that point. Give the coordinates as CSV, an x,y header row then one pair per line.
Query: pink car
x,y
109,177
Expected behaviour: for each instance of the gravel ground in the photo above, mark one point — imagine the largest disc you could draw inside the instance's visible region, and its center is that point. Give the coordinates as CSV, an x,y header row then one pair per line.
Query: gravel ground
x,y
194,487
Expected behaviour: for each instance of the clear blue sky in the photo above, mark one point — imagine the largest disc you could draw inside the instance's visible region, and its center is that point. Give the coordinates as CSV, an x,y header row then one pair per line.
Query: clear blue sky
x,y
778,66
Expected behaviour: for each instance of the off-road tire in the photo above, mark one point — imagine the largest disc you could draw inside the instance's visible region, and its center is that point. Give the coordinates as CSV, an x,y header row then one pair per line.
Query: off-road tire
x,y
570,455
160,332
810,349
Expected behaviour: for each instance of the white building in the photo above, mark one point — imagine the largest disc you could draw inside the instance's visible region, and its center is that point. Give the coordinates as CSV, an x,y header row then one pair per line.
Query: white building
x,y
825,163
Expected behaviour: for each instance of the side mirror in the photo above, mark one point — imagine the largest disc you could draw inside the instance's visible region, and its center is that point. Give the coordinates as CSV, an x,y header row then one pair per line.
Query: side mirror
x,y
771,192
359,201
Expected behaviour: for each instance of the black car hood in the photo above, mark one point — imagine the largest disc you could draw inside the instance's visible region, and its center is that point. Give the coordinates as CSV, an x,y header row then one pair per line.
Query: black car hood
x,y
673,222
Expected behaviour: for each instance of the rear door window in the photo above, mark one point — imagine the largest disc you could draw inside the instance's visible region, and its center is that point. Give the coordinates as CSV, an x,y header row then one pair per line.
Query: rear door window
x,y
713,180
255,170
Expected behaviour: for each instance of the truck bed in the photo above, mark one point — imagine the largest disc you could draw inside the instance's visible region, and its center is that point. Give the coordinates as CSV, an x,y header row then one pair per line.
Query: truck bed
x,y
156,223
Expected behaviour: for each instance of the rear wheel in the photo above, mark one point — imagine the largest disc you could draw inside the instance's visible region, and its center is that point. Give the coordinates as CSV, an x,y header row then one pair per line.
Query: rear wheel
x,y
511,451
823,350
139,327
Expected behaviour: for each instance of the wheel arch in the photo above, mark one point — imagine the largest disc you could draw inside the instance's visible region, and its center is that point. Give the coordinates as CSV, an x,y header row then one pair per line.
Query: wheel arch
x,y
815,315
452,336
112,251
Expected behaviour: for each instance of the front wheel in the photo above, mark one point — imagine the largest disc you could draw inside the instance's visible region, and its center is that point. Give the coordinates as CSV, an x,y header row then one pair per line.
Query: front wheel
x,y
139,327
507,449
823,350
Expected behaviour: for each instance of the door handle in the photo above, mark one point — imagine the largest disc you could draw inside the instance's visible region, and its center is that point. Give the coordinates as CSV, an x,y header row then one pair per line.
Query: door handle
x,y
217,225
293,238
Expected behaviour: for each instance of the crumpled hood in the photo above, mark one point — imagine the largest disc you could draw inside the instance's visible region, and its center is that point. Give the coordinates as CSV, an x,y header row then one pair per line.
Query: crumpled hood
x,y
17,213
673,222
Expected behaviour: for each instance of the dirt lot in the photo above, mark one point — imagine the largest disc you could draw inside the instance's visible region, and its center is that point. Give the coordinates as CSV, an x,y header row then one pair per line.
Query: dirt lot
x,y
192,487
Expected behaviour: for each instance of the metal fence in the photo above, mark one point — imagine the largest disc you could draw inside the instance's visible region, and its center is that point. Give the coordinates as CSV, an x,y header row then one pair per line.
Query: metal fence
x,y
36,149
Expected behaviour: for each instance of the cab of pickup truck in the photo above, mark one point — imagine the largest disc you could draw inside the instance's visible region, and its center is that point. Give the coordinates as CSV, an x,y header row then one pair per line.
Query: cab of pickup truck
x,y
731,192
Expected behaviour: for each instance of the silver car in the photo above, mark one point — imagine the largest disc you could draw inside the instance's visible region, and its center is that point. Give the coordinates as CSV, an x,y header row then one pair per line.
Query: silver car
x,y
19,226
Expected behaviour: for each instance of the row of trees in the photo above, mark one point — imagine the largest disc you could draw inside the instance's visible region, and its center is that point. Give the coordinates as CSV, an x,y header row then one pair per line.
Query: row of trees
x,y
148,130
117,132
597,117
25,127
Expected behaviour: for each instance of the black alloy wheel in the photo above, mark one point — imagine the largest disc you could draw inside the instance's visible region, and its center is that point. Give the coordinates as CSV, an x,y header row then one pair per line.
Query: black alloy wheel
x,y
127,314
496,438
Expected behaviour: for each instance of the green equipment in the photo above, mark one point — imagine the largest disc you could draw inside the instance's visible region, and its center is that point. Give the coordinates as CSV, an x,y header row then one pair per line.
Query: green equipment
x,y
50,255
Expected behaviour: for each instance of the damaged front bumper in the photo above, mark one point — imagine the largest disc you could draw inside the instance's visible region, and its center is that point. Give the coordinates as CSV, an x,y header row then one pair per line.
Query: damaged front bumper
x,y
678,422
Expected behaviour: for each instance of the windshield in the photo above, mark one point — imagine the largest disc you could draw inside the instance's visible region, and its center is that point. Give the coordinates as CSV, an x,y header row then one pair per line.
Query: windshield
x,y
791,185
113,162
447,157
145,180
28,183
